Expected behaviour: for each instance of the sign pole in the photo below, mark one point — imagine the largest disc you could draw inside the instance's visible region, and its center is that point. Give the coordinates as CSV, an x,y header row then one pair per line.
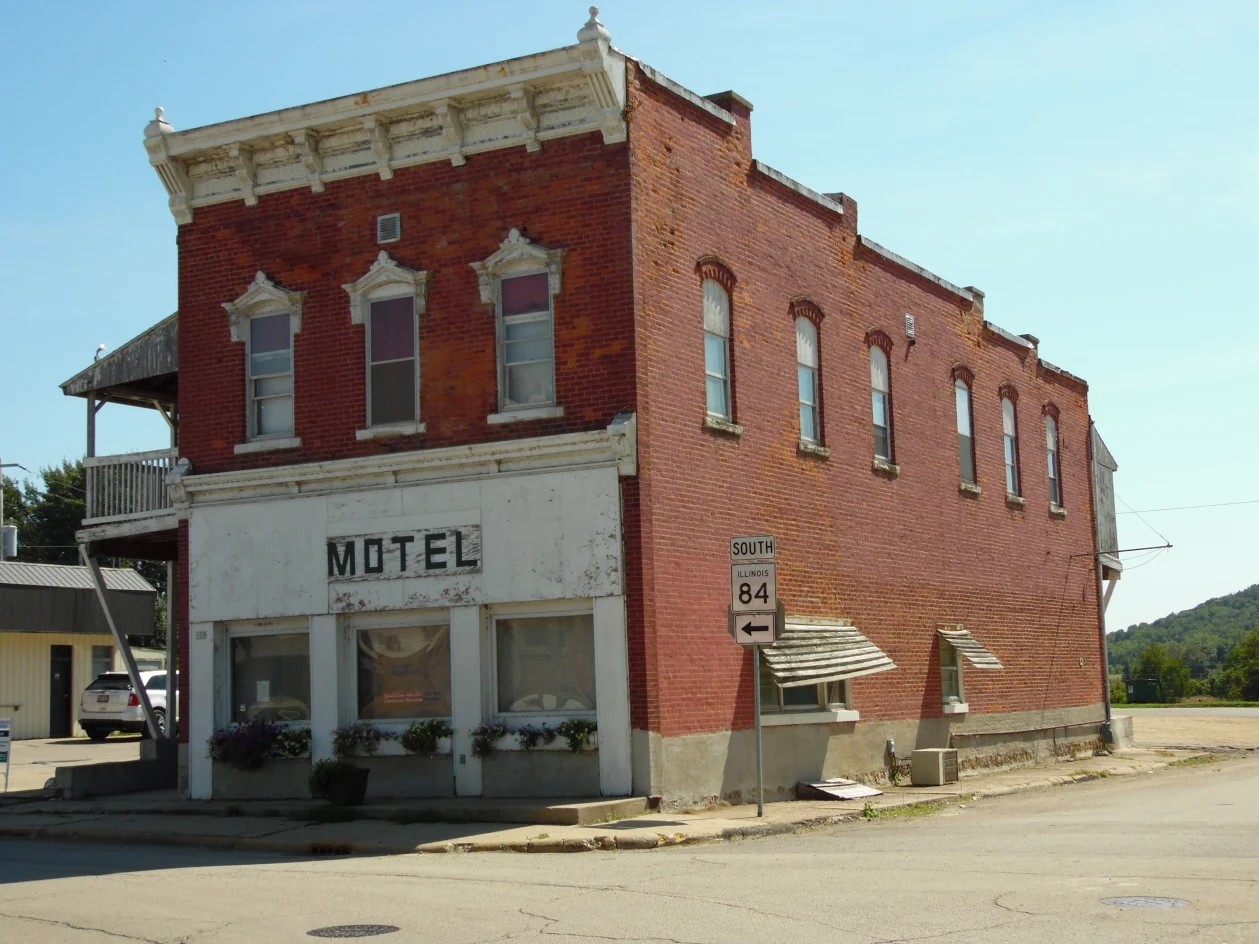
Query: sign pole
x,y
756,701
6,743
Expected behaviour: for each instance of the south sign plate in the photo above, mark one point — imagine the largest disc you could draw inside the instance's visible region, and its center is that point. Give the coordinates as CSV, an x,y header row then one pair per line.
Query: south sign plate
x,y
753,588
753,547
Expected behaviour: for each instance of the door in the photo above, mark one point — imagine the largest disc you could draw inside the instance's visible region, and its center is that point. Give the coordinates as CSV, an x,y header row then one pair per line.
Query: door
x,y
59,692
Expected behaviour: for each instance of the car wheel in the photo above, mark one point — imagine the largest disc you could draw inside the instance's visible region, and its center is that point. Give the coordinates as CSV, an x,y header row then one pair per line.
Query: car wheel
x,y
159,715
97,734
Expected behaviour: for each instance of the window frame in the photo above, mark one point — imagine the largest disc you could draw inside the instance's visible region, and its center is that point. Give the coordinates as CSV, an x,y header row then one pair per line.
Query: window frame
x,y
1053,450
882,343
386,280
722,375
541,716
387,620
227,633
519,256
263,298
953,668
963,382
1010,441
810,343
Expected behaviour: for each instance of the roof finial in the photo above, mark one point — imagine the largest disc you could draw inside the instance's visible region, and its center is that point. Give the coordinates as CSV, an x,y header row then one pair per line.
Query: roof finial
x,y
159,124
594,30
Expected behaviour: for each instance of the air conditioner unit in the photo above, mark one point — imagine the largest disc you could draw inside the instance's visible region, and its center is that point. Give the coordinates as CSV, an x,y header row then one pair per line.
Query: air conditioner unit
x,y
934,766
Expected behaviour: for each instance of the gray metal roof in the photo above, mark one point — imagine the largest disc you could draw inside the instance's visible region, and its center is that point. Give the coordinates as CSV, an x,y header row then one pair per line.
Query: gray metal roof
x,y
810,654
19,574
961,640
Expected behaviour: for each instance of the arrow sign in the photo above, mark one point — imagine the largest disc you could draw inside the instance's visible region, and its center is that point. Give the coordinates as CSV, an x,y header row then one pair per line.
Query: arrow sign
x,y
755,629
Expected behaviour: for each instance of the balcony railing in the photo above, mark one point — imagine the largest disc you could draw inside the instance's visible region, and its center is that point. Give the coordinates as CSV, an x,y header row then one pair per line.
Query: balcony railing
x,y
133,485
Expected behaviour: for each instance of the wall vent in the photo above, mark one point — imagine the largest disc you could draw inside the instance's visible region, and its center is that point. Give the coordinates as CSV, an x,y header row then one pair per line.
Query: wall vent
x,y
911,328
389,228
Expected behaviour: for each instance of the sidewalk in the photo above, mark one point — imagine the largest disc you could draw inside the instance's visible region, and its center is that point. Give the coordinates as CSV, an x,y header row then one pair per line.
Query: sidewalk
x,y
304,828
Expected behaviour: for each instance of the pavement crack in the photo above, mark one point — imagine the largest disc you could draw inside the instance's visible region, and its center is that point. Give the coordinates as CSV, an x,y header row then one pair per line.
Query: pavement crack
x,y
48,922
1004,907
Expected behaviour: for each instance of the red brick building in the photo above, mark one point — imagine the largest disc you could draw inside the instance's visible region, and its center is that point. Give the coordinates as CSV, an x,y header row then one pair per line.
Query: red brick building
x,y
489,368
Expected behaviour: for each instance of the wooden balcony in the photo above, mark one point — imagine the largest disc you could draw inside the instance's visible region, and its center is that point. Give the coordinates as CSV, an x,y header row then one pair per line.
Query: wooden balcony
x,y
128,489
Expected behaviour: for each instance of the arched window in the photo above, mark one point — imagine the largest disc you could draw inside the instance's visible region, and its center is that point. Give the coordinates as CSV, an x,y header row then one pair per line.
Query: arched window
x,y
1010,441
266,318
962,379
881,400
1051,453
717,350
806,381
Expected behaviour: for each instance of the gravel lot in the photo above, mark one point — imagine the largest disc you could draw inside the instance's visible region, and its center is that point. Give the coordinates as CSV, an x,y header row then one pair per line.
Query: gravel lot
x,y
1194,727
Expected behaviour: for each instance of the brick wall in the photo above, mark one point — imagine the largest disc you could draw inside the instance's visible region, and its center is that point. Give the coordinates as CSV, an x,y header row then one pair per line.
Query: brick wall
x,y
572,194
896,555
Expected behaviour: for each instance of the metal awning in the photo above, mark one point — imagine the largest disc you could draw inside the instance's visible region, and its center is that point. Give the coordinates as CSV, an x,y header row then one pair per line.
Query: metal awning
x,y
817,651
961,640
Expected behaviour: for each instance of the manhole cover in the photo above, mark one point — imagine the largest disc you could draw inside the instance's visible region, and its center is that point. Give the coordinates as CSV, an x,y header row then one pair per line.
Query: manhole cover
x,y
1144,901
353,930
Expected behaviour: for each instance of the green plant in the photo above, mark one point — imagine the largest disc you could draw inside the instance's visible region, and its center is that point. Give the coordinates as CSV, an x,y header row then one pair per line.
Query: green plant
x,y
485,734
531,736
420,737
577,732
244,746
292,742
326,774
357,739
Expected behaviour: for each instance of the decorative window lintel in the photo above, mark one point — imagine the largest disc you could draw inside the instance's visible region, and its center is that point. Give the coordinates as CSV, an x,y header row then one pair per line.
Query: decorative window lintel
x,y
518,253
383,275
263,295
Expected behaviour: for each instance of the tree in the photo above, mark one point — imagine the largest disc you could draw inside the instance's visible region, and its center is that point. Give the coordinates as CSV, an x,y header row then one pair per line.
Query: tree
x,y
1168,672
1240,678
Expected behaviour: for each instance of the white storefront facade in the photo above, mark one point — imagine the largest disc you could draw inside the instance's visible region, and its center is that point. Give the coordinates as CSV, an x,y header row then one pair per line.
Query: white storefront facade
x,y
478,584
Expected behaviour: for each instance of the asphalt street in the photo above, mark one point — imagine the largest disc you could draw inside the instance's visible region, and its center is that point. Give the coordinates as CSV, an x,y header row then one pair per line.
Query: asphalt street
x,y
1035,868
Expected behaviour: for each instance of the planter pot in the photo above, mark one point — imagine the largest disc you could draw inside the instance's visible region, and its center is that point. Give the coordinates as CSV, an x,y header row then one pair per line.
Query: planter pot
x,y
348,788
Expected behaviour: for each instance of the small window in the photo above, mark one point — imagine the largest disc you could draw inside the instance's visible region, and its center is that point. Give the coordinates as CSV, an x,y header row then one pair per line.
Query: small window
x,y
1051,454
270,677
102,659
807,381
881,403
950,675
1010,439
545,665
403,673
156,683
717,350
775,699
965,441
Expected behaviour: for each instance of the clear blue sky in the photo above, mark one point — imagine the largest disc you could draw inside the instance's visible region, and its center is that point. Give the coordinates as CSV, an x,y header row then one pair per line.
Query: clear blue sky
x,y
1093,166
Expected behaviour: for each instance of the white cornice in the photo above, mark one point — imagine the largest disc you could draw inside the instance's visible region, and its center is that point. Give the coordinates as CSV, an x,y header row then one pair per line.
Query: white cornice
x,y
515,103
614,447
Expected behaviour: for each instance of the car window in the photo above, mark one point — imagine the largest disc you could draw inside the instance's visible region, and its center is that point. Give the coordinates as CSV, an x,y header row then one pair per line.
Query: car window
x,y
157,681
111,681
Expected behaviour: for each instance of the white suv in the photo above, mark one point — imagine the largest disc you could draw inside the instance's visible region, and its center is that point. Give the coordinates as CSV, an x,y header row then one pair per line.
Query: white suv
x,y
110,704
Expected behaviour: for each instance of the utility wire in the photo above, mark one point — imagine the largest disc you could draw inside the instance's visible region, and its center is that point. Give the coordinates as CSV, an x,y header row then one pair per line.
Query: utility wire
x,y
1150,511
1143,521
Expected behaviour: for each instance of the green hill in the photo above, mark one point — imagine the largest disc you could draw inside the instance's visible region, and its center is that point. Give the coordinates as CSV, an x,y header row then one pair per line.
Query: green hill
x,y
1202,637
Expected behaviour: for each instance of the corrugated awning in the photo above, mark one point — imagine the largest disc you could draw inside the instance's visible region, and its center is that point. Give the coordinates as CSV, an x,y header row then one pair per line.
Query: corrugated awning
x,y
961,640
813,653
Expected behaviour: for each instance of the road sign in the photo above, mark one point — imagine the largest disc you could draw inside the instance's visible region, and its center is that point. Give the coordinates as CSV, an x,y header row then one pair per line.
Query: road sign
x,y
753,588
753,547
755,629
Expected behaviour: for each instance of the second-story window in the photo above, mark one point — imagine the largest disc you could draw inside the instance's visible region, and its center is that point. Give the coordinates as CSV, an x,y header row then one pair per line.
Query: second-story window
x,y
1010,440
962,379
807,382
521,281
1051,453
388,300
266,318
881,394
270,375
717,350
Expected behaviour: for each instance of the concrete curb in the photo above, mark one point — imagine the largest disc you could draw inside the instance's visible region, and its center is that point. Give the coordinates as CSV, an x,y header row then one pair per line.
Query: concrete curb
x,y
94,825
